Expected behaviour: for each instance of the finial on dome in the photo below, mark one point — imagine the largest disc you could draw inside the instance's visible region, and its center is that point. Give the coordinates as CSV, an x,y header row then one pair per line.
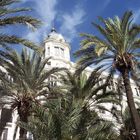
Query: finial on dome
x,y
53,30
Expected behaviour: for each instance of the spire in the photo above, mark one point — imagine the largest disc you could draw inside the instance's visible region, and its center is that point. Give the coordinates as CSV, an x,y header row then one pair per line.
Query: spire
x,y
53,30
53,27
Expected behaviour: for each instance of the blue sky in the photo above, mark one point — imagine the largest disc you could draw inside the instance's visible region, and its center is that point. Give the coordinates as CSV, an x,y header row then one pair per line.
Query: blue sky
x,y
72,17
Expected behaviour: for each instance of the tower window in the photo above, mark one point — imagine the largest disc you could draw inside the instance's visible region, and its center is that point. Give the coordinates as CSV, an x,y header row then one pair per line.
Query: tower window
x,y
62,52
48,51
56,51
59,51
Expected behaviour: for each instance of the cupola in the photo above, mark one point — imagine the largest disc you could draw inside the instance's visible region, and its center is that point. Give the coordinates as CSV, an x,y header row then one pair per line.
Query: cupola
x,y
57,48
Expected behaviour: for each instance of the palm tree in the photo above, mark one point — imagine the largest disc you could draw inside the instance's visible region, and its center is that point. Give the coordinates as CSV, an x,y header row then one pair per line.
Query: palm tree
x,y
11,16
119,50
91,89
80,105
72,116
23,81
56,123
92,95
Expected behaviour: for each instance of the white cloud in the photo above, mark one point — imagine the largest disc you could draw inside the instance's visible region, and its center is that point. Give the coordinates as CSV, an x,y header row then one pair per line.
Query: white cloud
x,y
70,21
106,3
136,16
46,10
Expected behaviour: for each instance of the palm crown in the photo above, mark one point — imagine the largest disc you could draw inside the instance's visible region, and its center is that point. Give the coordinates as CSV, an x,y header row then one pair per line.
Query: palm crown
x,y
120,45
23,80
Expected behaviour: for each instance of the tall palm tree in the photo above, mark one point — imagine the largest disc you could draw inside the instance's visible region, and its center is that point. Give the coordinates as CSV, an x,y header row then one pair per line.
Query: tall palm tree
x,y
23,80
118,50
12,16
15,16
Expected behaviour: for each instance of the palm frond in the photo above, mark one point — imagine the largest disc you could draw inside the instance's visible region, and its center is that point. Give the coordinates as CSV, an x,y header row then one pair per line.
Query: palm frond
x,y
5,39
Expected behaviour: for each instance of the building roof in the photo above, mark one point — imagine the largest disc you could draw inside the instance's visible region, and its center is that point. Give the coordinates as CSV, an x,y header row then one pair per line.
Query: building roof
x,y
56,36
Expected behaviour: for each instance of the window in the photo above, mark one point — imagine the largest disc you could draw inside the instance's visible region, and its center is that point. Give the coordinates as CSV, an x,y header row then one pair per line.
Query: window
x,y
48,51
137,91
116,86
100,82
56,51
102,111
59,51
111,85
6,115
30,136
52,81
4,134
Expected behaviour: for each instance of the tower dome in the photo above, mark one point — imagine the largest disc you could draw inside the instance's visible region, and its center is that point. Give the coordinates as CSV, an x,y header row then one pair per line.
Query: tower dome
x,y
57,48
56,36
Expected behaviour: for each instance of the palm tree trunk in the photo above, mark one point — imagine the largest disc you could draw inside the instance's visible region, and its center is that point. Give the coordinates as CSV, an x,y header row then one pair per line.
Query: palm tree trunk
x,y
22,131
23,112
131,104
